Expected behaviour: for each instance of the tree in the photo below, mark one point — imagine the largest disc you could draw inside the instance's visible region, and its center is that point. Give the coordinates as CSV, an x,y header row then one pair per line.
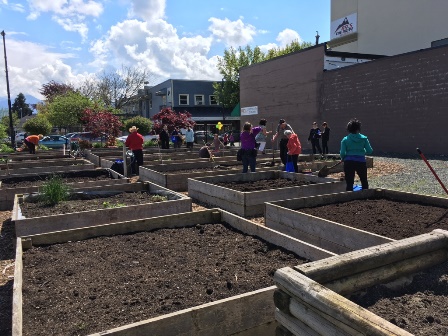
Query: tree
x,y
143,124
20,107
37,125
228,91
116,88
67,110
171,118
5,122
102,123
54,89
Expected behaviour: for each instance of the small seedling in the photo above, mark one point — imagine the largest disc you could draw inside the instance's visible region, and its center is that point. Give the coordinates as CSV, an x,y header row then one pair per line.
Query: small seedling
x,y
158,198
108,205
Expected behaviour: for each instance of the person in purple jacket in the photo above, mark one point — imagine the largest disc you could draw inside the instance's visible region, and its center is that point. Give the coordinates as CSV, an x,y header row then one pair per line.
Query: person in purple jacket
x,y
248,143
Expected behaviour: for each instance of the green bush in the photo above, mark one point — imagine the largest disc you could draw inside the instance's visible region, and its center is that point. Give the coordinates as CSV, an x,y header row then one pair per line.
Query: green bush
x,y
97,145
5,149
143,124
150,143
37,125
55,190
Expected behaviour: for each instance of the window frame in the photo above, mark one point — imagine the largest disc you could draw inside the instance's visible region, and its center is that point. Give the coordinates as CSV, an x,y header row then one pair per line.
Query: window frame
x,y
210,97
196,101
183,96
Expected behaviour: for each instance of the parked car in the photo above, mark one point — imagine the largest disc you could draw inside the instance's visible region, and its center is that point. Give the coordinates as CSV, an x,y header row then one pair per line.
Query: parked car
x,y
54,141
87,136
145,137
20,136
203,136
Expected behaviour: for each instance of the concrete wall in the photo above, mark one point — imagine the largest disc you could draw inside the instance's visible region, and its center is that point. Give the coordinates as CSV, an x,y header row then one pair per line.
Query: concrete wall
x,y
401,101
393,27
286,87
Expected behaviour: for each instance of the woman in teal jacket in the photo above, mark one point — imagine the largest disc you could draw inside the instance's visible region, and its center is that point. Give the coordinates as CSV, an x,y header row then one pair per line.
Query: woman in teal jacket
x,y
354,148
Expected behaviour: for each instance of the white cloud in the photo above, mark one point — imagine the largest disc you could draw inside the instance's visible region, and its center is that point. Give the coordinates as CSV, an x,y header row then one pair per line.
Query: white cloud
x,y
147,10
73,26
287,36
232,33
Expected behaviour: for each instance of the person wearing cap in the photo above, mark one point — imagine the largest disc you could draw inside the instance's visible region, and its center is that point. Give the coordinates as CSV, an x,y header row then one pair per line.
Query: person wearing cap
x,y
281,128
294,148
32,141
314,138
135,143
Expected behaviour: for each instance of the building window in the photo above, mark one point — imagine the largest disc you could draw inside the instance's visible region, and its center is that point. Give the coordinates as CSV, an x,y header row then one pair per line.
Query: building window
x,y
213,100
183,99
199,99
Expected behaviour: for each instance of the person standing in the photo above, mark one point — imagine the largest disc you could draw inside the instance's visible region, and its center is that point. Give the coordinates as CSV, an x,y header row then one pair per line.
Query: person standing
x,y
262,135
325,137
164,138
231,140
32,141
135,143
248,149
314,137
281,128
189,137
354,148
176,137
217,144
225,139
294,148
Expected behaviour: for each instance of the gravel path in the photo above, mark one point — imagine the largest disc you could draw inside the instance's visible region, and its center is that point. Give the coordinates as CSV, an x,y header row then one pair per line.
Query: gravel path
x,y
410,174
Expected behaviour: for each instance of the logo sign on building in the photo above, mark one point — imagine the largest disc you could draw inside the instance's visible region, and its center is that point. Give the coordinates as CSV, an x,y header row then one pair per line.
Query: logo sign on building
x,y
249,110
344,26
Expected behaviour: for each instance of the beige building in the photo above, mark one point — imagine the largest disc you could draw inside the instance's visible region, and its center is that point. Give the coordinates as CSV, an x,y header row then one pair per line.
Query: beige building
x,y
387,27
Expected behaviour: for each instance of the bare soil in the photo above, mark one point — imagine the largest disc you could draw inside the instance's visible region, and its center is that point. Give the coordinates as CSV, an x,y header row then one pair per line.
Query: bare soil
x,y
264,184
392,219
82,287
67,177
82,202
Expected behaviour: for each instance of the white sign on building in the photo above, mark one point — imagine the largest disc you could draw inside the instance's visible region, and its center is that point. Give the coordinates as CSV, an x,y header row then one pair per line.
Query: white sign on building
x,y
249,110
344,26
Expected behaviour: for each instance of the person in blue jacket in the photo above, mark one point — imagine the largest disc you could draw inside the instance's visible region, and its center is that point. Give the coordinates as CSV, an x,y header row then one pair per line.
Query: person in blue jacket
x,y
354,148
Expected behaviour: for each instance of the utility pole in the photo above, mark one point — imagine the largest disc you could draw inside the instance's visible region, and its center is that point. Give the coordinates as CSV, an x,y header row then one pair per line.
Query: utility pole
x,y
11,127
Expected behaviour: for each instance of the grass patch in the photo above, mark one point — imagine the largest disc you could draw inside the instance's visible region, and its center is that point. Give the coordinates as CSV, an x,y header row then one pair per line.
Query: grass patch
x,y
55,191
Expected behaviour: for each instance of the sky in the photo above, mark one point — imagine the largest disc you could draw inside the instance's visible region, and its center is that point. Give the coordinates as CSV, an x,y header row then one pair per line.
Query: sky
x,y
68,41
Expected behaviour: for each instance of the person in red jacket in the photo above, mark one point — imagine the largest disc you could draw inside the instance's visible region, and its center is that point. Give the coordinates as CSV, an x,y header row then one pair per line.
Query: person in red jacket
x,y
135,143
32,141
294,148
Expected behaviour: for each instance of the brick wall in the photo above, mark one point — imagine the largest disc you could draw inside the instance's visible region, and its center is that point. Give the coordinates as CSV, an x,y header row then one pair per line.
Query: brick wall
x,y
402,101
287,87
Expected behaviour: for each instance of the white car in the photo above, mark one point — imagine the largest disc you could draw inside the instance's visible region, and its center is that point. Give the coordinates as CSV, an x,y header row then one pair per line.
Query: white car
x,y
145,137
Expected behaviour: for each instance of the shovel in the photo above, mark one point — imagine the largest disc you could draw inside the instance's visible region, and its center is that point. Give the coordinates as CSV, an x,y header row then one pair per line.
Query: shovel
x,y
432,170
324,171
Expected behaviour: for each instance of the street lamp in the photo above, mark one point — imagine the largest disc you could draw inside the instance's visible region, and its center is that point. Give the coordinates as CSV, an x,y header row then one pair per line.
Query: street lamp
x,y
11,128
222,99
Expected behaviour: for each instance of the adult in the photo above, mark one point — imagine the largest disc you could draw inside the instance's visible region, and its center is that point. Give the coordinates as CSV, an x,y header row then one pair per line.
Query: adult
x,y
248,146
354,148
225,139
134,142
204,152
314,137
231,140
294,148
32,141
262,136
281,128
164,138
325,137
189,137
176,137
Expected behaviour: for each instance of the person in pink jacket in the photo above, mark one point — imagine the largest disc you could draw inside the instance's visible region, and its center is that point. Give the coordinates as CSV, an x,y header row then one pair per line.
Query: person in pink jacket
x,y
294,148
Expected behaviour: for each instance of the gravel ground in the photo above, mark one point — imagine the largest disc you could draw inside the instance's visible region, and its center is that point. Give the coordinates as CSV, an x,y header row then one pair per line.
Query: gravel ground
x,y
410,174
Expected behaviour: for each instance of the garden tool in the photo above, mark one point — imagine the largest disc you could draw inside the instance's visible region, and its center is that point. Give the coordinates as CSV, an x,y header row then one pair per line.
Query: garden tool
x,y
324,171
432,170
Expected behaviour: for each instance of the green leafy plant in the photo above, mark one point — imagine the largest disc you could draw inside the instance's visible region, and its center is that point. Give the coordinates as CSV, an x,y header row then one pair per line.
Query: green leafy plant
x,y
150,143
97,145
55,190
4,148
108,205
158,198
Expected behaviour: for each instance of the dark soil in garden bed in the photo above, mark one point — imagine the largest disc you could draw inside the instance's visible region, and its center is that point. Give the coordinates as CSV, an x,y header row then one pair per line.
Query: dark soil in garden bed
x,y
217,166
78,203
79,288
67,177
420,308
392,219
263,184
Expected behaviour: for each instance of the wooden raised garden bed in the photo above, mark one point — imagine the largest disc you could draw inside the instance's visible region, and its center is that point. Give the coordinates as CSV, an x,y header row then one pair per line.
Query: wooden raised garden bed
x,y
349,221
136,277
108,210
251,203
